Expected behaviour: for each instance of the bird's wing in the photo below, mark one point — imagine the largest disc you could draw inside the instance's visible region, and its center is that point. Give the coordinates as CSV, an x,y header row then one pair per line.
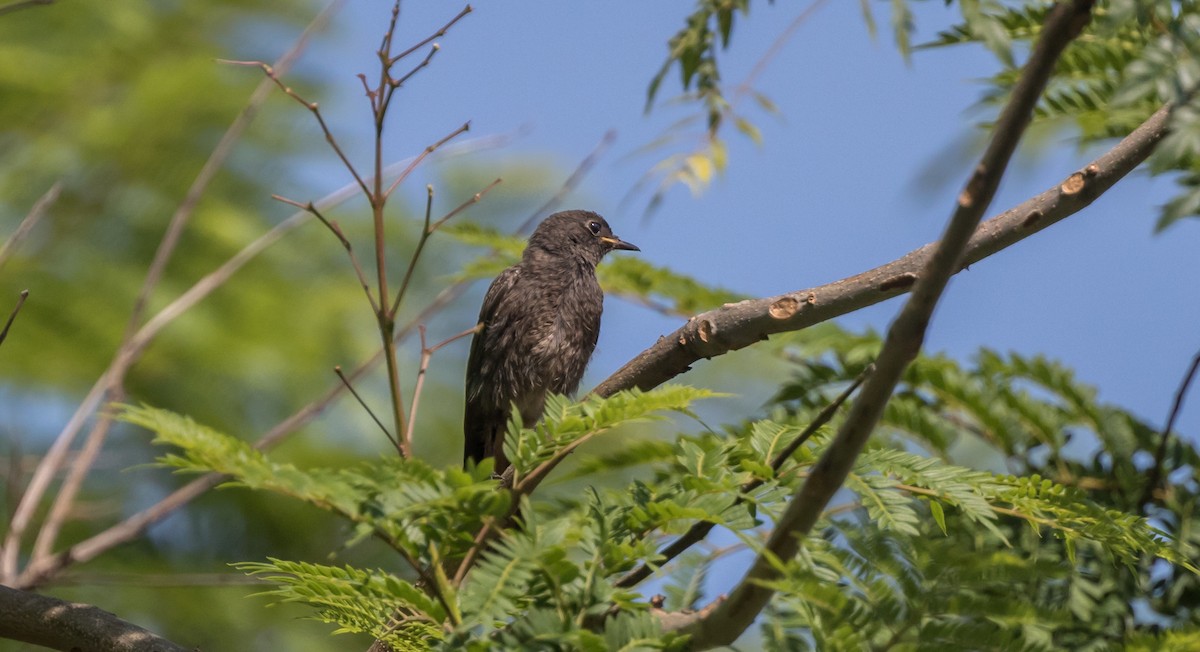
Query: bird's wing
x,y
484,418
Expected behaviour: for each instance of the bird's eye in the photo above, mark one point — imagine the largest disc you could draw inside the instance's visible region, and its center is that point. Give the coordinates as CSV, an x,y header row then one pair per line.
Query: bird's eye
x,y
594,227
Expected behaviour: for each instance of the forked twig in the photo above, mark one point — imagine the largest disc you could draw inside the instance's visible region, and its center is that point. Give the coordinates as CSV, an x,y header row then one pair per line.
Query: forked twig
x,y
337,232
313,108
426,355
424,62
428,230
441,32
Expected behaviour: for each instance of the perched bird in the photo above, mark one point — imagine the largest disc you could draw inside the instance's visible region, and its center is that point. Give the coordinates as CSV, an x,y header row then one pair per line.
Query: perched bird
x,y
539,324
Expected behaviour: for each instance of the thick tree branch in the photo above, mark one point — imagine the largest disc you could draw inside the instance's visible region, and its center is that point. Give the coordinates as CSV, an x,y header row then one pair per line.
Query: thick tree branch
x,y
722,622
736,326
58,625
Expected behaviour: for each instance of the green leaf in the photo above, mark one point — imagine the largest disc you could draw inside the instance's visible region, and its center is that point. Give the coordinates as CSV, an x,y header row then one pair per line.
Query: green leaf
x,y
939,515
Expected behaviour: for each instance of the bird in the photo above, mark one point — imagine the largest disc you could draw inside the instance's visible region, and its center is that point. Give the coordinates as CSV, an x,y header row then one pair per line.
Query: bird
x,y
537,329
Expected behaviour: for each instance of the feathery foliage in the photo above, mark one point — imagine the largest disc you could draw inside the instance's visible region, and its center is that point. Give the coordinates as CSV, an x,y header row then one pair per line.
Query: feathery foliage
x,y
922,551
1135,56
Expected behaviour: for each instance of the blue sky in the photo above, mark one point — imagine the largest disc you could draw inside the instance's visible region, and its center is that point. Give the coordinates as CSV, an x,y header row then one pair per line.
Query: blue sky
x,y
842,182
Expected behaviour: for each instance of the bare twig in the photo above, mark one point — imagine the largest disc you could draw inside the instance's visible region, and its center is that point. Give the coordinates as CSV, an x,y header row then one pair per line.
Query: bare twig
x,y
12,316
474,199
218,277
571,183
416,256
426,355
441,32
424,62
273,73
725,620
35,214
466,126
350,388
337,232
380,98
700,529
429,230
130,348
156,580
482,538
760,66
1155,476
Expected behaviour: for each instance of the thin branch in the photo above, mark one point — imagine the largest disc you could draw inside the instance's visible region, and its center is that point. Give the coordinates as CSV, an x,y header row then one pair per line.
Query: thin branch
x,y
130,347
59,625
35,214
427,355
429,230
585,166
466,126
700,529
23,4
725,620
478,545
273,74
350,388
157,580
12,316
474,199
736,326
397,83
412,261
441,32
61,510
1160,455
760,66
337,232
418,386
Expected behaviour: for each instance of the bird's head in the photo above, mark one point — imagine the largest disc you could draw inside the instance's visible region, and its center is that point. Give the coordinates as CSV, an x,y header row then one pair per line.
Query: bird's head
x,y
575,233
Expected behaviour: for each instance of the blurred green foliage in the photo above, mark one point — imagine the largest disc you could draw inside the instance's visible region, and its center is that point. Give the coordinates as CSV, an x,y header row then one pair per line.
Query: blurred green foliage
x,y
921,553
122,103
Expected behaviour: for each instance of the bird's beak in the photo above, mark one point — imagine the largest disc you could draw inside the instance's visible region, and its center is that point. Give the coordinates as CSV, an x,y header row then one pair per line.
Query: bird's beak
x,y
618,243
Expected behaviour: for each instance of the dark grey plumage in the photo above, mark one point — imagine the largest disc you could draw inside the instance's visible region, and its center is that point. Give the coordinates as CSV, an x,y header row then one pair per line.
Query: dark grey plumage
x,y
541,319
